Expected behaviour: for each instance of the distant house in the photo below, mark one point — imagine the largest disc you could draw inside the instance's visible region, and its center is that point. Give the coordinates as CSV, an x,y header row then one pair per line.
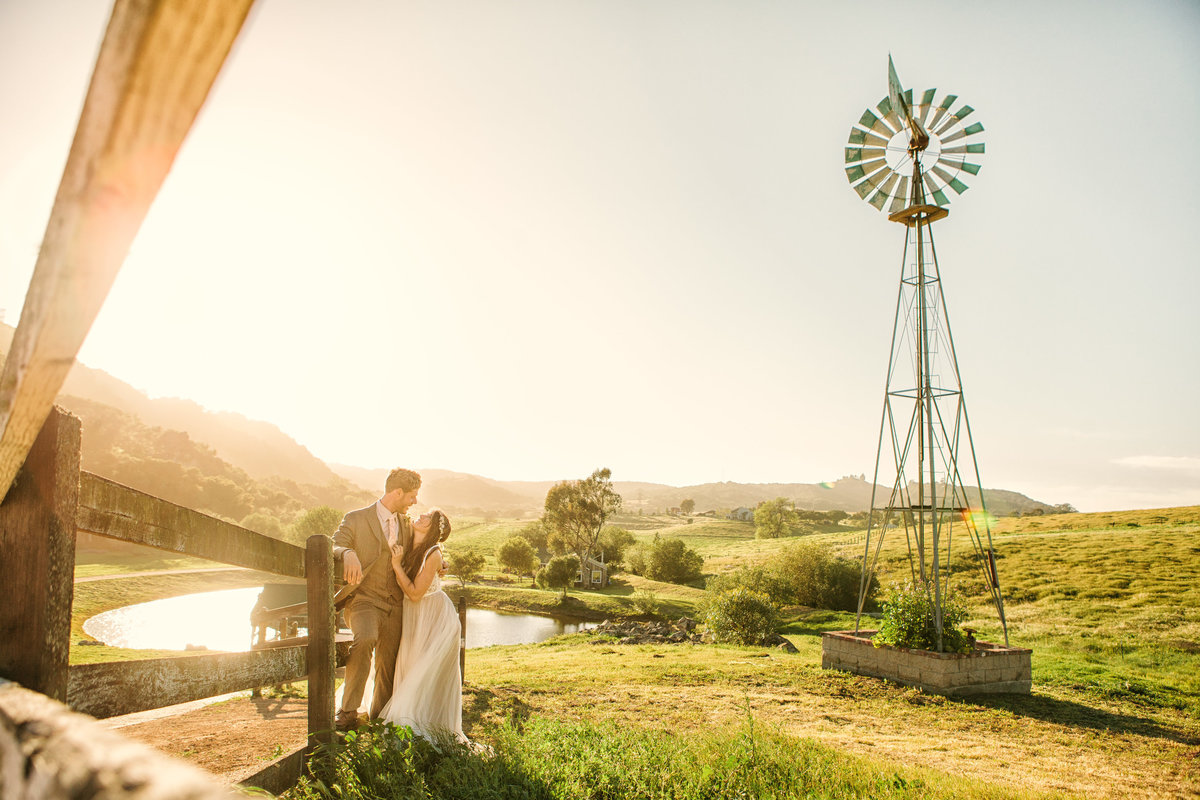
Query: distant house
x,y
742,514
593,575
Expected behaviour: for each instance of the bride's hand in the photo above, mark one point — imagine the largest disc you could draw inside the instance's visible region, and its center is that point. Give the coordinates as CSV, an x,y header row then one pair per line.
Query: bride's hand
x,y
397,555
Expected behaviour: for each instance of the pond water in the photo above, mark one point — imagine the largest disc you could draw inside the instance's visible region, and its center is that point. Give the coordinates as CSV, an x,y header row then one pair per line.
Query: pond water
x,y
221,621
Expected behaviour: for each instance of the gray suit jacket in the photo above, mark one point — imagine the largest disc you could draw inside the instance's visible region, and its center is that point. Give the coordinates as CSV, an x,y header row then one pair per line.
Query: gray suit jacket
x,y
361,532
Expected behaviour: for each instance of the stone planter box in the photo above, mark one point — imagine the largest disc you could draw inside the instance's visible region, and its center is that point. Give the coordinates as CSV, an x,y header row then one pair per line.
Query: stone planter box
x,y
991,669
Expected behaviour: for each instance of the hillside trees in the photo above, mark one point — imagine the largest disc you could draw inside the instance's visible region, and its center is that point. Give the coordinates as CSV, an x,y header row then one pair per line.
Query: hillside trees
x,y
322,519
668,560
575,512
467,564
687,506
614,542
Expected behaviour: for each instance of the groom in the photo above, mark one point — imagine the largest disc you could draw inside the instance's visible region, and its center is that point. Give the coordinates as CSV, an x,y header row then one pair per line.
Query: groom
x,y
375,609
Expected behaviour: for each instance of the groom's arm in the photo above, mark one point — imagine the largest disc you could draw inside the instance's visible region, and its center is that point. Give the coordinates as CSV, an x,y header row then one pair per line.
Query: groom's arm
x,y
343,545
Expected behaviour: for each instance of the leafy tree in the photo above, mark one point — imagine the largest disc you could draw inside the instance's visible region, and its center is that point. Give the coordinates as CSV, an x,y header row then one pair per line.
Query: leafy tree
x,y
614,542
576,511
467,565
774,518
672,561
516,554
536,534
687,506
322,519
559,573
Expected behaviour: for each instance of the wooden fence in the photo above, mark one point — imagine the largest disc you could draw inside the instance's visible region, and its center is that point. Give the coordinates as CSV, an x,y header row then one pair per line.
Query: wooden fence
x,y
50,501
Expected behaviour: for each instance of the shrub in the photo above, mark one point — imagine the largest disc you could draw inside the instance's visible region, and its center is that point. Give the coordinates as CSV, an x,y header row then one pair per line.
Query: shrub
x,y
755,578
645,602
908,619
815,577
671,561
742,616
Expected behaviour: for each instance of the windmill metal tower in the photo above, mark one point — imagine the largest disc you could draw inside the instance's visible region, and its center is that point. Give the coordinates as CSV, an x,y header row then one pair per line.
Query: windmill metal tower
x,y
901,158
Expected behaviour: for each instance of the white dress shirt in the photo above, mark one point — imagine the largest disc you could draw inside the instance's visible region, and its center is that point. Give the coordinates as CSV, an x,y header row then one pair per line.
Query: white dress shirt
x,y
389,521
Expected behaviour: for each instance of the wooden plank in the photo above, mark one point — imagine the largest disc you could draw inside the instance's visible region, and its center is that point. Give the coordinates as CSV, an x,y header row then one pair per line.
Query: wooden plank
x,y
48,751
322,649
157,63
123,687
279,775
107,508
37,551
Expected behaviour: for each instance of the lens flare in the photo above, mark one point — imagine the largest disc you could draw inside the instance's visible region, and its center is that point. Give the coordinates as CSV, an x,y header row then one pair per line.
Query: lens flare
x,y
825,485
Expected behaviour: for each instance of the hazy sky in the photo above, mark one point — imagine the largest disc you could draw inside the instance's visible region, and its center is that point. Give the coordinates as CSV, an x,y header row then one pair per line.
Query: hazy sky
x,y
527,239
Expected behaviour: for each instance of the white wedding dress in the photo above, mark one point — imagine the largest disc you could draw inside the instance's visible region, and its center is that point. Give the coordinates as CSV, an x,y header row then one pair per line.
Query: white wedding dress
x,y
427,693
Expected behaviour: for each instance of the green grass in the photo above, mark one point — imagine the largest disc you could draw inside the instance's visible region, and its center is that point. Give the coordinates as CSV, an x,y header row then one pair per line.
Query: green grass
x,y
563,760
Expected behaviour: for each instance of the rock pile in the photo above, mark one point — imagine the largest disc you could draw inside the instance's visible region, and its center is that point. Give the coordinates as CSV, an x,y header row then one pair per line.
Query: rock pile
x,y
629,632
678,632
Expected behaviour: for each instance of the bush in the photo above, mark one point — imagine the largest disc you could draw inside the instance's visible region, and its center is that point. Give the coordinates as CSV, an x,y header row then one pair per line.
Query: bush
x,y
908,619
742,616
815,577
756,579
671,561
645,602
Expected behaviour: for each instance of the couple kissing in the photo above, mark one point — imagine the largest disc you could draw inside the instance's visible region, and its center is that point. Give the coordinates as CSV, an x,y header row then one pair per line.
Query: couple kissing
x,y
399,615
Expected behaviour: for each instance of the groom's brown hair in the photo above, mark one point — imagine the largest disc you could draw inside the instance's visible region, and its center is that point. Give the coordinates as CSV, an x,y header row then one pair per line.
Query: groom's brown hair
x,y
404,479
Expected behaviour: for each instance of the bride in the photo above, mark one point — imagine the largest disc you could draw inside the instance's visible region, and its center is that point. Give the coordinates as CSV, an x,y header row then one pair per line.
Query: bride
x,y
427,693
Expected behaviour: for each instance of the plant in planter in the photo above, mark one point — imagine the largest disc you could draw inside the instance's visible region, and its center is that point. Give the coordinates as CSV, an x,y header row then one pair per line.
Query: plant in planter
x,y
908,619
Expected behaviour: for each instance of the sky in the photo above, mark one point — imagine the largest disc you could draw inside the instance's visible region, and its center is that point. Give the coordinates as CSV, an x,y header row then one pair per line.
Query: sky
x,y
528,239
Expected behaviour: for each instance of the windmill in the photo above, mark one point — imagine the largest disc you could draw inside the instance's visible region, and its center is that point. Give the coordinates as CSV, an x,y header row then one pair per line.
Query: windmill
x,y
901,158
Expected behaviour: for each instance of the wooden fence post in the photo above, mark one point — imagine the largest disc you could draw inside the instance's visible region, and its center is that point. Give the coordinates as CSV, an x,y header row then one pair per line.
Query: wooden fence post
x,y
37,549
462,640
322,653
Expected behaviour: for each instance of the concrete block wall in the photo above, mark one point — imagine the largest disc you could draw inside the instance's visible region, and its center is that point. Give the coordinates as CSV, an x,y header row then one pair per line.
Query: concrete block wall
x,y
991,668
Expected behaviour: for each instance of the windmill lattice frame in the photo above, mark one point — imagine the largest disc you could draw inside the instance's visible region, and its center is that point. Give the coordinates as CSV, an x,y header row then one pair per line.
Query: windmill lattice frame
x,y
901,160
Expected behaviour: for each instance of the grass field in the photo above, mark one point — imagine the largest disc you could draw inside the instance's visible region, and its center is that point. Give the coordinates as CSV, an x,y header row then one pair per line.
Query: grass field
x,y
1109,603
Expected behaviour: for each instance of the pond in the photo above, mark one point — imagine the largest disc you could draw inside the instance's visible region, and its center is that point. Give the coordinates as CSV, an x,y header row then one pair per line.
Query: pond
x,y
221,621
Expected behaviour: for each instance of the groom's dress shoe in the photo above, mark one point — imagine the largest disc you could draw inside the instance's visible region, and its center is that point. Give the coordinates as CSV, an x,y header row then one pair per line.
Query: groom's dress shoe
x,y
346,721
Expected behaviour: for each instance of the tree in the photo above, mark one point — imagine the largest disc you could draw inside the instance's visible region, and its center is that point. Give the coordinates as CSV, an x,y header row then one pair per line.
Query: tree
x,y
264,524
671,561
687,506
467,565
774,518
559,573
516,554
614,542
322,519
576,511
535,533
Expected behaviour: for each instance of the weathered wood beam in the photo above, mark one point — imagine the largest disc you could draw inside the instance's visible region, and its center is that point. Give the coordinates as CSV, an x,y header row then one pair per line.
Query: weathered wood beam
x,y
47,751
157,63
107,508
113,688
37,560
322,647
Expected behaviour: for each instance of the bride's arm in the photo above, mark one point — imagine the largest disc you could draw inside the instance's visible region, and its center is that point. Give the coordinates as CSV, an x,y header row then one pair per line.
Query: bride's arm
x,y
415,590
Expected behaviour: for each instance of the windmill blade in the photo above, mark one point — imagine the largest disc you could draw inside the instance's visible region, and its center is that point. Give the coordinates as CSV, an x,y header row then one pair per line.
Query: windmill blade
x,y
942,109
854,154
923,108
901,199
939,197
964,148
956,118
961,165
890,114
859,136
885,190
970,130
954,183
